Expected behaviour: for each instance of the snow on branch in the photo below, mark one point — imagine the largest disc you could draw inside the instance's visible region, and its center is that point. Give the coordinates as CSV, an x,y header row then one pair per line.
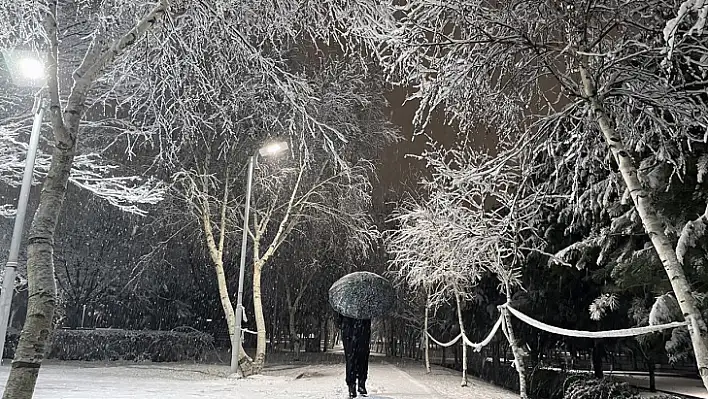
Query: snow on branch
x,y
693,232
90,172
687,8
128,193
318,193
7,211
11,157
246,78
477,221
602,305
576,252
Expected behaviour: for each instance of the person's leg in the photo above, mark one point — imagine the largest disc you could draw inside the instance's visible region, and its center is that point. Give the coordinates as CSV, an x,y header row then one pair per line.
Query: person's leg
x,y
349,357
362,369
351,365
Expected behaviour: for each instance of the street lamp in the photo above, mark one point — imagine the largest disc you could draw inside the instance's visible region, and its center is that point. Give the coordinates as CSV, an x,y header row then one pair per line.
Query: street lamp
x,y
268,150
32,68
26,69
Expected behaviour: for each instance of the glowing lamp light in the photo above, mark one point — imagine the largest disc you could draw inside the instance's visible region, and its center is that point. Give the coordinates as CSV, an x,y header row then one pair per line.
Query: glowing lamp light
x,y
31,68
273,149
26,67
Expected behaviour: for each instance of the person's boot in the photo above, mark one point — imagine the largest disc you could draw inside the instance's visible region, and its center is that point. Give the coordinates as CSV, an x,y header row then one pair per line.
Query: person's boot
x,y
362,388
352,391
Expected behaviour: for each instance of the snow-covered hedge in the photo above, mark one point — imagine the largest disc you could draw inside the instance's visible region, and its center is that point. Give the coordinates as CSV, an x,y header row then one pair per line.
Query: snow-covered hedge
x,y
592,388
156,346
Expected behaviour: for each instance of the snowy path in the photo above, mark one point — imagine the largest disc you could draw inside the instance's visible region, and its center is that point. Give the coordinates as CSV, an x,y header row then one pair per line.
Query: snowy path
x,y
179,381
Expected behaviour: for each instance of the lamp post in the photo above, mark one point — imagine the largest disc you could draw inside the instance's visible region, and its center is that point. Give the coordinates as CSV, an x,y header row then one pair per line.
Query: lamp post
x,y
268,150
29,71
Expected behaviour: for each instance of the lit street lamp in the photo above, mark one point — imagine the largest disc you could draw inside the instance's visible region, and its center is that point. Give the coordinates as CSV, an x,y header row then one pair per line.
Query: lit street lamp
x,y
26,70
32,68
269,150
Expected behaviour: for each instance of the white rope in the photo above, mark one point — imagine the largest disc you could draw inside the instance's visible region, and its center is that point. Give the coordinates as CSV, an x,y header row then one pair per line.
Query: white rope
x,y
478,346
627,332
249,331
457,338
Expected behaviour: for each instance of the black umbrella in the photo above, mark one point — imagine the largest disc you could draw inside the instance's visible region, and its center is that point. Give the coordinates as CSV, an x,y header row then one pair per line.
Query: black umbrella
x,y
362,295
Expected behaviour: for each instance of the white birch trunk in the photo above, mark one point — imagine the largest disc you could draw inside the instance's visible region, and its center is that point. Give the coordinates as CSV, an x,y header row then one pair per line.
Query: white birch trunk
x,y
654,228
224,297
464,346
216,252
284,228
519,362
34,338
259,360
426,340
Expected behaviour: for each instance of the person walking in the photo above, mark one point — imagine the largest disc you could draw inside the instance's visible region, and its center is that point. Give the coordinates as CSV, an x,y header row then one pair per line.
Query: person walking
x,y
356,336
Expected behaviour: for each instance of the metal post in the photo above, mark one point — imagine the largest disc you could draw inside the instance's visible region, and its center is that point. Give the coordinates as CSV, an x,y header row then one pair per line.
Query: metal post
x,y
8,283
83,316
244,245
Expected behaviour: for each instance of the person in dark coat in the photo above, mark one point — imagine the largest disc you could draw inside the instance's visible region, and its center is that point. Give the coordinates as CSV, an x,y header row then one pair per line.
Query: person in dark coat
x,y
356,335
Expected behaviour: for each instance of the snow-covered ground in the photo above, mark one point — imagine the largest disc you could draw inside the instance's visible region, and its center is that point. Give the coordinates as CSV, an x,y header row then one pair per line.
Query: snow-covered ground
x,y
179,381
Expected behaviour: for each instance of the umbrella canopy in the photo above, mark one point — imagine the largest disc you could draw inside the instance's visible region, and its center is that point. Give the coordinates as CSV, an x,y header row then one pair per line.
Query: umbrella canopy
x,y
362,295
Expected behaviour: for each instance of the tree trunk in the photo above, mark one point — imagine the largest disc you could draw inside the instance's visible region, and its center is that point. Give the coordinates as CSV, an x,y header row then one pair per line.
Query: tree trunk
x,y
464,346
325,335
294,337
244,362
516,350
292,328
496,366
216,252
40,250
259,360
652,373
426,340
598,350
654,228
40,277
635,366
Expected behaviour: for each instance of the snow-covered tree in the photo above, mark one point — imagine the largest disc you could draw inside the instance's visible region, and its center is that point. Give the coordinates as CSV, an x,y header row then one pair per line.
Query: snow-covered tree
x,y
144,90
578,82
337,121
307,193
112,30
478,220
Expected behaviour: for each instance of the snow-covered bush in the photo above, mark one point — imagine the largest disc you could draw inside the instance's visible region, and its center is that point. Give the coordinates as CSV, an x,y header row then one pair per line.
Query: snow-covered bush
x,y
156,346
95,345
593,388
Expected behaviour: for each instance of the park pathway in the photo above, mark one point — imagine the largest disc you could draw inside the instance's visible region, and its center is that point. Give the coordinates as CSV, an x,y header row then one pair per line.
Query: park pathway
x,y
72,380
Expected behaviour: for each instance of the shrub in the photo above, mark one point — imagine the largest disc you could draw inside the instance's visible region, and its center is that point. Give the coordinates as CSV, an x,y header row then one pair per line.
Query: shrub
x,y
102,345
547,384
606,388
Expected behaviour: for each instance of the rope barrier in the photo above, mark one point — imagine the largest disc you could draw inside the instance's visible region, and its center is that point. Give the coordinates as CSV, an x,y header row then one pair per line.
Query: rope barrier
x,y
448,344
476,346
627,332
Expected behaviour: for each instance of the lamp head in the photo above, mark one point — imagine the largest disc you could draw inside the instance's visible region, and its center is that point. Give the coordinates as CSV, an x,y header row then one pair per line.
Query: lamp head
x,y
273,149
31,68
26,67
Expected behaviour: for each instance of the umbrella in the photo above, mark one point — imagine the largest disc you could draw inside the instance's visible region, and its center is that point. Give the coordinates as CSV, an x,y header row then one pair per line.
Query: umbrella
x,y
362,295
